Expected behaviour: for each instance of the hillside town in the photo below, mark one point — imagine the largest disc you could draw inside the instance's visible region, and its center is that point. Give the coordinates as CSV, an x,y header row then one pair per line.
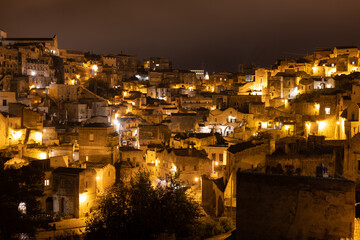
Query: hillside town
x,y
281,140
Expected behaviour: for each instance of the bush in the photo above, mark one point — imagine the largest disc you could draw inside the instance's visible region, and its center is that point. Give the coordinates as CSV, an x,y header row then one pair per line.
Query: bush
x,y
211,227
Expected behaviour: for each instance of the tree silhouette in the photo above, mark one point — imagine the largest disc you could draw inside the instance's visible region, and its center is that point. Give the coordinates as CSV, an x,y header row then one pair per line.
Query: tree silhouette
x,y
140,211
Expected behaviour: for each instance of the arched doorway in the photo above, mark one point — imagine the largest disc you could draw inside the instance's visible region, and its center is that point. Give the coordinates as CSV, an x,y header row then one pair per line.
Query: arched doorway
x,y
49,206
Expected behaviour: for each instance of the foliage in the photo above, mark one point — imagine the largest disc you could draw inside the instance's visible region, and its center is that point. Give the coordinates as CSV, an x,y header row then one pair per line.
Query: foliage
x,y
20,185
67,235
140,211
210,227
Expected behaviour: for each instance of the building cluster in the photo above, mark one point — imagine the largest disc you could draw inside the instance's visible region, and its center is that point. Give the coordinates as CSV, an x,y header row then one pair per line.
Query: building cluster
x,y
91,120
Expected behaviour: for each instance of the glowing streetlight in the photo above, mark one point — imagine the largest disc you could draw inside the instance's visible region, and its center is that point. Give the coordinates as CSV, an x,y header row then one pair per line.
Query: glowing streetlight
x,y
38,136
82,197
95,68
322,125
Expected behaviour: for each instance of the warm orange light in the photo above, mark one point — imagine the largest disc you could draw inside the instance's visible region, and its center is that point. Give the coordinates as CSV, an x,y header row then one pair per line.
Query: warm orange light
x,y
82,197
38,136
95,68
43,155
322,125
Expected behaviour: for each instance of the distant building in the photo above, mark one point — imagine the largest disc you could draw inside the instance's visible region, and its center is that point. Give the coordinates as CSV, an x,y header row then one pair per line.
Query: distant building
x,y
157,64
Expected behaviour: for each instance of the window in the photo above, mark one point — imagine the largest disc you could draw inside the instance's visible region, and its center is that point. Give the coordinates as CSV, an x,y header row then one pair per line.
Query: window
x,y
47,182
195,168
91,137
327,111
213,156
4,102
221,156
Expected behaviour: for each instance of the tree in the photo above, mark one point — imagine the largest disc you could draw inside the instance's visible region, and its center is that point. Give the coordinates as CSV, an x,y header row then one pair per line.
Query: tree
x,y
179,213
140,211
19,208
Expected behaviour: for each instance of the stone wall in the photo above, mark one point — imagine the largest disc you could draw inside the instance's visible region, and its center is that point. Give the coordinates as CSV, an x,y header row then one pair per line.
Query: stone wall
x,y
212,195
283,207
357,229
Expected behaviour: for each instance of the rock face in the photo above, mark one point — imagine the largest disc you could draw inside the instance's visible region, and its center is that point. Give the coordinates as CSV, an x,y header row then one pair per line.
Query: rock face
x,y
288,207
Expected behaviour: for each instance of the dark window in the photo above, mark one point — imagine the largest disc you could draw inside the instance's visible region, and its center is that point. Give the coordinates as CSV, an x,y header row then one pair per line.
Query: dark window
x,y
195,168
213,156
221,156
4,102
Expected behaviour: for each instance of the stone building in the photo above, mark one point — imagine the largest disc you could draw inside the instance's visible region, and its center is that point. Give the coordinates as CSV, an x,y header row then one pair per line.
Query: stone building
x,y
153,134
276,207
74,191
191,163
296,156
5,99
126,65
157,64
97,142
105,176
132,155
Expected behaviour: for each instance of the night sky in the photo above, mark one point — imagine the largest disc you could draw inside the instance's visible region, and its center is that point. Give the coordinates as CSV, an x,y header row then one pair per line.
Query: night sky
x,y
213,34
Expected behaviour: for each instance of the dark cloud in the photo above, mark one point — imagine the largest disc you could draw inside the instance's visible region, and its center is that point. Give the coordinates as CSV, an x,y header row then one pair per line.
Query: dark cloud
x,y
213,34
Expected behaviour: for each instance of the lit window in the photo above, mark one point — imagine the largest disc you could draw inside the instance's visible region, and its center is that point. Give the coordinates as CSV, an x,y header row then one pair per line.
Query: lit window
x,y
47,182
22,208
91,137
327,111
332,64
